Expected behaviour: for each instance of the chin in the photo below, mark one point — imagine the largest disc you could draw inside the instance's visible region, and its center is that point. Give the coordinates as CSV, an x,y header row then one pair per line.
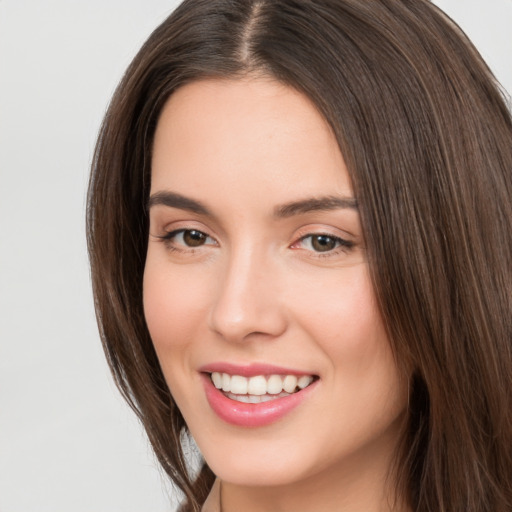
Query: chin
x,y
260,461
258,474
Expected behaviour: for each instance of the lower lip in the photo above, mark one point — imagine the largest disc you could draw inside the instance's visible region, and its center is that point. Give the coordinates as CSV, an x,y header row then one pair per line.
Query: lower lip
x,y
242,414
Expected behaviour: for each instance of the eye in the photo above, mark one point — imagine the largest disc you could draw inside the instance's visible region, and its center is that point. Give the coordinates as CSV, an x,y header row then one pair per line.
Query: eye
x,y
192,237
188,238
323,243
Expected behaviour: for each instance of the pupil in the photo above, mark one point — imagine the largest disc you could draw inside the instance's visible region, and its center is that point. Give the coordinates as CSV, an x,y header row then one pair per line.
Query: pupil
x,y
194,238
323,243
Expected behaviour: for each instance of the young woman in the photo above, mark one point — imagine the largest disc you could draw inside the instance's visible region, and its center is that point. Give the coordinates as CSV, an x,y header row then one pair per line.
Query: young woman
x,y
300,234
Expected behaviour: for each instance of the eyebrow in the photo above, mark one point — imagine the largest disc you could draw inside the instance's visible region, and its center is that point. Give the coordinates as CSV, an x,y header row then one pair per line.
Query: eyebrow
x,y
325,203
313,204
174,200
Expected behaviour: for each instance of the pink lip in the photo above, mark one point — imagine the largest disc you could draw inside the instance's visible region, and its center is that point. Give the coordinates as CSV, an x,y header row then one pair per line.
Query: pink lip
x,y
252,415
250,370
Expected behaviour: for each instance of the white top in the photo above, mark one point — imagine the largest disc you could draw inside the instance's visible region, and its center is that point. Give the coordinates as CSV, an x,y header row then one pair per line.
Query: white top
x,y
212,503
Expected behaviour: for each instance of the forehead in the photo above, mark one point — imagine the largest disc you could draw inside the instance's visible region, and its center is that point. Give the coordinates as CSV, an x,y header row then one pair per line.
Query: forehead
x,y
246,135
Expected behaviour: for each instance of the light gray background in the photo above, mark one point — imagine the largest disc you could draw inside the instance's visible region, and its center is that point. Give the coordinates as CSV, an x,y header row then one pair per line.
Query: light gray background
x,y
67,442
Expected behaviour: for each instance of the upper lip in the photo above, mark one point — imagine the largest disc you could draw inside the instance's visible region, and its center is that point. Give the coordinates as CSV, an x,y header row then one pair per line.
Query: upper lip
x,y
250,370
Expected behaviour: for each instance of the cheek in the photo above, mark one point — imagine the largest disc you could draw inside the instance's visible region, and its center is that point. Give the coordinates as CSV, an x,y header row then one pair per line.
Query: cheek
x,y
343,318
173,306
342,312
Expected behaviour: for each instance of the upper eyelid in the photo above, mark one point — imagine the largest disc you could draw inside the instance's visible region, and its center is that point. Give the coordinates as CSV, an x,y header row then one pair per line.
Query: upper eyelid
x,y
321,233
166,227
173,232
165,219
320,230
343,241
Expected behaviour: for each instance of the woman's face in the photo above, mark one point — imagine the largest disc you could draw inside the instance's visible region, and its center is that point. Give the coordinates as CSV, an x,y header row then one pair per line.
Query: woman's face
x,y
256,281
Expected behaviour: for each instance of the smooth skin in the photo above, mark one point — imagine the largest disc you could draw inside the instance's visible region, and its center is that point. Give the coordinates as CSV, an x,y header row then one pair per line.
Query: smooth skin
x,y
238,278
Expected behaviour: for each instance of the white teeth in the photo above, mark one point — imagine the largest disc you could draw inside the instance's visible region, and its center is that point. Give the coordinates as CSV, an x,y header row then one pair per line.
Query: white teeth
x,y
290,383
274,385
257,385
217,380
304,381
226,382
259,388
238,385
255,399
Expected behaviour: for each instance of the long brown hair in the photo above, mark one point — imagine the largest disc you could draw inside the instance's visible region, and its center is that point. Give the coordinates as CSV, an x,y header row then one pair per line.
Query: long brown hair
x,y
427,138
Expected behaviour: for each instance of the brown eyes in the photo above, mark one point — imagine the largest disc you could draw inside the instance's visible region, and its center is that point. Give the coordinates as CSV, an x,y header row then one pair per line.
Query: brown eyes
x,y
323,243
193,238
190,238
182,239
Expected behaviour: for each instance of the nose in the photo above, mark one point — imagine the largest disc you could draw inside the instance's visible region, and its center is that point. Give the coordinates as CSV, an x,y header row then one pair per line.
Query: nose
x,y
247,301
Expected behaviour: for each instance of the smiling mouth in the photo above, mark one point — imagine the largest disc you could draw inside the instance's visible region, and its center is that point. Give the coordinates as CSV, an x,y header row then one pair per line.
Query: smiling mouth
x,y
260,388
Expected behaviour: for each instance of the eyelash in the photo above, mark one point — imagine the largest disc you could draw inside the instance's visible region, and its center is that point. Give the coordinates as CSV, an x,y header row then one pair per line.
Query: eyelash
x,y
169,237
341,245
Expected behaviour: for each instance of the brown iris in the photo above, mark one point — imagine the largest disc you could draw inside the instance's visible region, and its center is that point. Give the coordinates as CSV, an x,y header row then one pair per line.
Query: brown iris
x,y
323,243
194,238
